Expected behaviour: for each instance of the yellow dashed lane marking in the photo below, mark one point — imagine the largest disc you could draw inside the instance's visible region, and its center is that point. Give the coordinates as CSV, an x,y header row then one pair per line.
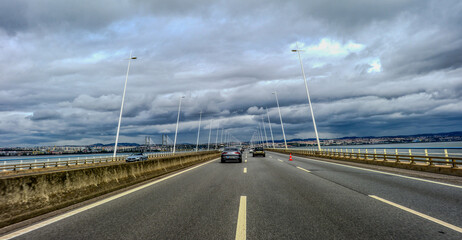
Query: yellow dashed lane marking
x,y
242,220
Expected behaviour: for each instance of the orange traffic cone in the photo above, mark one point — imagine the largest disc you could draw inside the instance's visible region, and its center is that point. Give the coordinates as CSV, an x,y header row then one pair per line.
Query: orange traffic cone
x,y
290,157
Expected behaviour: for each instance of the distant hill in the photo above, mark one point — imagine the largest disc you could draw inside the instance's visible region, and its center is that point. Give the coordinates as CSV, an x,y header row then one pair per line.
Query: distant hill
x,y
447,134
112,144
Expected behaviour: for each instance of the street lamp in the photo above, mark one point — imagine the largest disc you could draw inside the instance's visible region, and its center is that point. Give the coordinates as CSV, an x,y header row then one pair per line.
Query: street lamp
x,y
271,130
216,139
264,130
308,95
261,135
280,117
177,122
210,134
198,131
222,130
122,106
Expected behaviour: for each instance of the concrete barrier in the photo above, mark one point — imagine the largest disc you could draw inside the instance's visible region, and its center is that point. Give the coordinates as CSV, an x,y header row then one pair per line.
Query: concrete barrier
x,y
419,163
23,197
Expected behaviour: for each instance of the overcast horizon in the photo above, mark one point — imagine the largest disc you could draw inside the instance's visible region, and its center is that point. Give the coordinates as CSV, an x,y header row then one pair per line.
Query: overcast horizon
x,y
373,68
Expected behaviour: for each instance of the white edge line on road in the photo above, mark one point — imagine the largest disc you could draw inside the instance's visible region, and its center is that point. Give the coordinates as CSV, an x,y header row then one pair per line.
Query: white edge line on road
x,y
245,170
387,173
448,225
79,210
304,169
241,228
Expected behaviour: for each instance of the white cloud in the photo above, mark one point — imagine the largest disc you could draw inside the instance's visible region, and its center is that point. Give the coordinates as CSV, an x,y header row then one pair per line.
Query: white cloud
x,y
376,66
328,48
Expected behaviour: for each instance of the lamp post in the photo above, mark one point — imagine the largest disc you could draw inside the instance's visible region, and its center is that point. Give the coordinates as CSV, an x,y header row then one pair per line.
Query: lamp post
x,y
280,117
261,136
198,131
177,122
122,106
210,134
271,130
216,139
221,140
308,95
264,130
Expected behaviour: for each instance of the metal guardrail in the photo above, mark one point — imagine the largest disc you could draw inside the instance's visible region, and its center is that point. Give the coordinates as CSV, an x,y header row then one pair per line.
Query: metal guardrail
x,y
48,164
451,151
438,161
74,162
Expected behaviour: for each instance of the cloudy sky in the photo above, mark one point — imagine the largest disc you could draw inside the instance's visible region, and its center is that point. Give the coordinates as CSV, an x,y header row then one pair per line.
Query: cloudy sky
x,y
374,68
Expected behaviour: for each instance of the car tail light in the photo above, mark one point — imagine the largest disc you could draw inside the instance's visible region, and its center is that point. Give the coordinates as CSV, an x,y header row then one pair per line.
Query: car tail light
x,y
224,153
237,153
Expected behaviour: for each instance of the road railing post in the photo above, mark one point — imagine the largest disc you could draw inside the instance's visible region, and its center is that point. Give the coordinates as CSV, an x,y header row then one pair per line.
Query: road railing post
x,y
411,157
446,155
426,155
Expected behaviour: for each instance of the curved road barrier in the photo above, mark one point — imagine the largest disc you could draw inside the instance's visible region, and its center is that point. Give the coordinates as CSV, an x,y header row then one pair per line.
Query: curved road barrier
x,y
28,195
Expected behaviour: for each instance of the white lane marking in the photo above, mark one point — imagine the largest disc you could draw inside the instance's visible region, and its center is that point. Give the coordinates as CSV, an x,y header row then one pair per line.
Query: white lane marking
x,y
280,160
246,160
241,220
271,156
245,170
304,169
391,174
79,210
448,225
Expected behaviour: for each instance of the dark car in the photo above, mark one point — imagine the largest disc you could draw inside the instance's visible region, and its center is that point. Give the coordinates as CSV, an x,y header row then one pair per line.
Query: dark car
x,y
230,153
259,151
136,157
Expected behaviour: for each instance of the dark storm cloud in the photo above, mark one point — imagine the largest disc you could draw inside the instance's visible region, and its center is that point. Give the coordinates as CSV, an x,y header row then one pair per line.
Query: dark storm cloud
x,y
373,68
10,13
45,115
22,15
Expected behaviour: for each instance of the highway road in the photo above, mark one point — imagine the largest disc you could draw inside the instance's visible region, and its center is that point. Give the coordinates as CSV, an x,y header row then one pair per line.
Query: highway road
x,y
268,198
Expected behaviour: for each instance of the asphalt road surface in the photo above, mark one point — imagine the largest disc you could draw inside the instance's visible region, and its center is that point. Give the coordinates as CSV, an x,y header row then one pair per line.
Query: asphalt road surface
x,y
268,198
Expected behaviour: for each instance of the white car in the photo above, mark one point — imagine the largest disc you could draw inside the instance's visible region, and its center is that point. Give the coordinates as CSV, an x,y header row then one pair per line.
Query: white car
x,y
136,157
